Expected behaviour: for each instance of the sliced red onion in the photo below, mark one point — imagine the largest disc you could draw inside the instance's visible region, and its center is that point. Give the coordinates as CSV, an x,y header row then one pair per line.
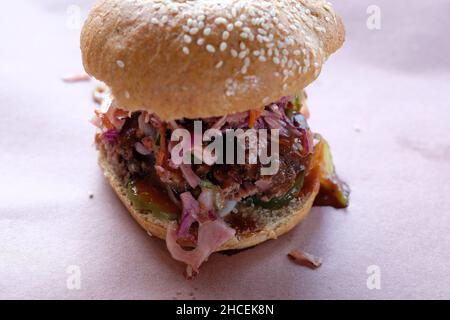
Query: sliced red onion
x,y
277,111
116,122
190,176
206,200
283,102
156,121
110,135
271,114
211,236
276,124
141,149
191,209
308,145
97,122
144,126
228,208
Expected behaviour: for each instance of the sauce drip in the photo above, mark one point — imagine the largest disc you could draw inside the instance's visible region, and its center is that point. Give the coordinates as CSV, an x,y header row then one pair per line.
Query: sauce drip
x,y
148,192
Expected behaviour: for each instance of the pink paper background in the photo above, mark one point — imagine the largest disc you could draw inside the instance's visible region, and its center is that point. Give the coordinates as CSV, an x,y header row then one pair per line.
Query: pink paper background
x,y
393,84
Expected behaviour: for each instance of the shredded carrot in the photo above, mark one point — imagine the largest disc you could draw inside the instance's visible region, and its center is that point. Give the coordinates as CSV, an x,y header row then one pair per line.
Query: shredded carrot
x,y
254,116
162,145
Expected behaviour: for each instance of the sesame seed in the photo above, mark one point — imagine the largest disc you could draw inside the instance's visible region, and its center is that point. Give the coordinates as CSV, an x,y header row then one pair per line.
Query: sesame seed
x,y
230,27
242,46
127,95
155,21
220,20
234,53
225,35
276,60
186,50
187,38
256,53
262,59
120,64
238,24
210,48
193,31
201,41
164,19
201,17
207,31
223,46
219,65
242,54
244,35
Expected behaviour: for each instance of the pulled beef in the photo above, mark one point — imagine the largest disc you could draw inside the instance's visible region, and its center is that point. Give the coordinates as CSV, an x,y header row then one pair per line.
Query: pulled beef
x,y
121,154
242,181
237,182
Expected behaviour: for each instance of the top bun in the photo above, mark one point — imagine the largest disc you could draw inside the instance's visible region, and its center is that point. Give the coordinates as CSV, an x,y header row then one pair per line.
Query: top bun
x,y
205,58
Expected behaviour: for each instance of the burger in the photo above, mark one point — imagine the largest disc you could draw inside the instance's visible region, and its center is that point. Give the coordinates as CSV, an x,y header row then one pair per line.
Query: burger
x,y
180,69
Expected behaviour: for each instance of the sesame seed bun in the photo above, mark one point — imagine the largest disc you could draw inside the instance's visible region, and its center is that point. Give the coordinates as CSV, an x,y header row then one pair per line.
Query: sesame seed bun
x,y
198,59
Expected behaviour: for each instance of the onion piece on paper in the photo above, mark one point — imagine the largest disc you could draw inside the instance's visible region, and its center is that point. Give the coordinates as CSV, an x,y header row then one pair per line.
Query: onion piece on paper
x,y
76,78
305,259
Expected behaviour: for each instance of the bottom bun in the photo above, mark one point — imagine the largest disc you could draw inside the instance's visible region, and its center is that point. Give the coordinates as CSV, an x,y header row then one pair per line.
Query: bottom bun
x,y
268,224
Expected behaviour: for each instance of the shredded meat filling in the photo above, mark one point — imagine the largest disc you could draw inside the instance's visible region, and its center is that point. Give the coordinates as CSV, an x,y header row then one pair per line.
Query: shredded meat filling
x,y
236,181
